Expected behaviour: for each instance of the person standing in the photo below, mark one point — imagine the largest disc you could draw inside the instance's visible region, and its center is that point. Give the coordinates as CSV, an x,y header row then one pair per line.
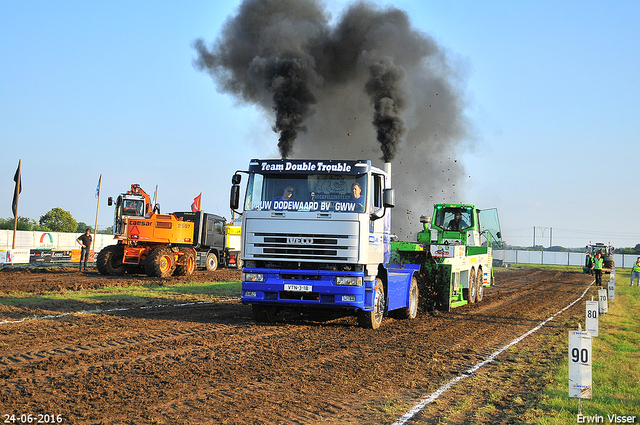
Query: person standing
x,y
589,262
85,242
597,268
635,272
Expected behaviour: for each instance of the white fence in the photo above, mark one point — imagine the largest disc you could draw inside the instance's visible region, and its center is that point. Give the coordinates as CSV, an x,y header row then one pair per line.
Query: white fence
x,y
557,258
46,247
49,240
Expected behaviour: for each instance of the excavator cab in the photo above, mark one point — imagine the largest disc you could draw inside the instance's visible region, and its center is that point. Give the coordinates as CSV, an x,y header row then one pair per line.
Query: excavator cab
x,y
133,203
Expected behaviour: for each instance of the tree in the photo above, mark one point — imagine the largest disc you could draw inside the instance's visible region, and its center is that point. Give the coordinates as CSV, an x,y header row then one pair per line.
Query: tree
x,y
106,231
82,227
59,220
24,223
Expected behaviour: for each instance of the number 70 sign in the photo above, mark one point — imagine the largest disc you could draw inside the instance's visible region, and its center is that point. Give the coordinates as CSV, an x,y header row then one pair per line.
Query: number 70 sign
x,y
580,384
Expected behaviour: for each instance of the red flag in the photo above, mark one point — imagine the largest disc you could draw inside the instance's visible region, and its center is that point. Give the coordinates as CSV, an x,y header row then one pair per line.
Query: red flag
x,y
196,203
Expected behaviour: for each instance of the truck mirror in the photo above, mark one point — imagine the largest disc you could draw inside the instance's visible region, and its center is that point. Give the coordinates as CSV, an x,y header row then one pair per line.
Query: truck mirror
x,y
389,198
499,235
236,179
234,198
110,201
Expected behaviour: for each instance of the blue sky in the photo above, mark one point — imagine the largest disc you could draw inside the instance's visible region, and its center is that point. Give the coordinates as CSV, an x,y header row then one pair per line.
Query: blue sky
x,y
552,91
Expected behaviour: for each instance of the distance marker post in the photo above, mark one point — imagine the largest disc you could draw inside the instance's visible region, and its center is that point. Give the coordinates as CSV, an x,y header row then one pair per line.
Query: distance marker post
x,y
591,323
611,287
580,383
602,299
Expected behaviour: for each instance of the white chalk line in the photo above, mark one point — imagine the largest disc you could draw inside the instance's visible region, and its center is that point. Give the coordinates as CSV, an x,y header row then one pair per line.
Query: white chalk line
x,y
469,372
111,310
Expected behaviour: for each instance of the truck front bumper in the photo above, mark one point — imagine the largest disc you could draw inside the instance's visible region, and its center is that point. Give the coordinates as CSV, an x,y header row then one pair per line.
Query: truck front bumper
x,y
298,288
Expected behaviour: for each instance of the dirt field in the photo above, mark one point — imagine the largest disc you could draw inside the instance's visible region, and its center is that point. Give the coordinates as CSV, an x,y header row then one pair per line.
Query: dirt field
x,y
212,363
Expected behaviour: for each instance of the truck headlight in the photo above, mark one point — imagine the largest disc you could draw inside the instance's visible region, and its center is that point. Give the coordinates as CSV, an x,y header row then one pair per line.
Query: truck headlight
x,y
349,280
253,277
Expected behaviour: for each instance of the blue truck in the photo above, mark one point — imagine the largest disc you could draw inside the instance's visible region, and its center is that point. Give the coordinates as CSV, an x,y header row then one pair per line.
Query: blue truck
x,y
317,234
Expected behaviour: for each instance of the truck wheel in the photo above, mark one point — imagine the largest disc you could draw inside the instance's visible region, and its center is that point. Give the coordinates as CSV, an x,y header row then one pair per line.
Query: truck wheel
x,y
469,293
479,286
212,262
411,311
160,262
109,261
188,263
264,313
372,319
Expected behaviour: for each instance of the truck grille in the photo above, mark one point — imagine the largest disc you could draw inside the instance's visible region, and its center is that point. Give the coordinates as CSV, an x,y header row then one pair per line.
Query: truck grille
x,y
304,247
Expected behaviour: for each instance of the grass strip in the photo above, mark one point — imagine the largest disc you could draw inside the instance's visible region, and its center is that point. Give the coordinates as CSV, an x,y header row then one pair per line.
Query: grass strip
x,y
118,296
615,367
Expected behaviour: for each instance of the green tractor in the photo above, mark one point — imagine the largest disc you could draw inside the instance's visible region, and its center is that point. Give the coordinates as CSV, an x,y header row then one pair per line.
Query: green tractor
x,y
455,253
606,252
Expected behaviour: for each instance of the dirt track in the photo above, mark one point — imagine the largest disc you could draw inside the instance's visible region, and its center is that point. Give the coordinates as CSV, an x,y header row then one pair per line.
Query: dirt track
x,y
211,363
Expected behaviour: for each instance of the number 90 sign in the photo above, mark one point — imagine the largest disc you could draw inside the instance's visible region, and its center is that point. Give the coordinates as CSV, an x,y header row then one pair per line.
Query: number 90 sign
x,y
580,385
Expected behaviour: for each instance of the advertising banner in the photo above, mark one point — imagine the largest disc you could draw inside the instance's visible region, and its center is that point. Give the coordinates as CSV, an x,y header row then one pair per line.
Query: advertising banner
x,y
40,256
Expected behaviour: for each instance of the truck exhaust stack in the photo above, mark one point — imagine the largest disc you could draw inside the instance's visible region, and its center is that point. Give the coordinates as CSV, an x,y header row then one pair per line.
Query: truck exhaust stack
x,y
387,169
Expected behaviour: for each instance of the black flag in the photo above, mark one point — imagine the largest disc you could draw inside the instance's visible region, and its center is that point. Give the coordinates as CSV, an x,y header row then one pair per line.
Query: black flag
x,y
16,191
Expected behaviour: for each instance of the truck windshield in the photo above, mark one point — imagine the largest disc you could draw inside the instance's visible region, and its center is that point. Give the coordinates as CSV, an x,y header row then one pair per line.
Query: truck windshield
x,y
306,192
454,219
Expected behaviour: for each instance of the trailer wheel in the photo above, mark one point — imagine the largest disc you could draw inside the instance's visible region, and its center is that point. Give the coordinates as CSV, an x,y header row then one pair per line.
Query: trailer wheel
x,y
264,313
212,262
109,261
479,285
372,319
411,311
160,262
188,263
469,293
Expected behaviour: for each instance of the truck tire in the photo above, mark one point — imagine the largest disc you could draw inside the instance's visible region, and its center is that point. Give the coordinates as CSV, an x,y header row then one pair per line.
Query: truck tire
x,y
372,319
109,261
212,262
411,311
264,313
469,293
187,263
479,286
160,262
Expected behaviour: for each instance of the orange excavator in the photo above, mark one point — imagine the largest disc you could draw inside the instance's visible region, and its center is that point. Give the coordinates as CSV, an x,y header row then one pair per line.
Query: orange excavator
x,y
159,244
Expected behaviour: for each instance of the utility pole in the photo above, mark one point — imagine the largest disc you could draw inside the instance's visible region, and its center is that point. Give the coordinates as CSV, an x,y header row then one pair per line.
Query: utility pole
x,y
542,229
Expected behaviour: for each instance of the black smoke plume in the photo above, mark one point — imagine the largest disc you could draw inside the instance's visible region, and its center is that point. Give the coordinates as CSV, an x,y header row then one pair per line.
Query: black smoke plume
x,y
384,88
327,81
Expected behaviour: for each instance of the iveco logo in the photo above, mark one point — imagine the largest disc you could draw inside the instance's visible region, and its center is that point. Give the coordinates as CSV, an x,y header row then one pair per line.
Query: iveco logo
x,y
300,241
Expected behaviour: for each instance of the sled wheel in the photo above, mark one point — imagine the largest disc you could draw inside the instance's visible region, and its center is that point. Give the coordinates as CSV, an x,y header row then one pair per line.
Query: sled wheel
x,y
469,293
479,286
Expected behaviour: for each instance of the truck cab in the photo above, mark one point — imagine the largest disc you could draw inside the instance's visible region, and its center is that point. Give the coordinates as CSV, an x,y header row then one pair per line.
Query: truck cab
x,y
315,233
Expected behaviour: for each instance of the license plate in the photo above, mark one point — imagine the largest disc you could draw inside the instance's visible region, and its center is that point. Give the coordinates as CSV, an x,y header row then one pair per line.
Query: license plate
x,y
298,288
